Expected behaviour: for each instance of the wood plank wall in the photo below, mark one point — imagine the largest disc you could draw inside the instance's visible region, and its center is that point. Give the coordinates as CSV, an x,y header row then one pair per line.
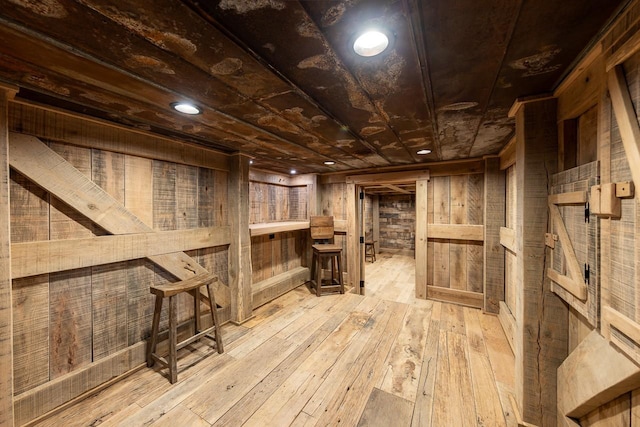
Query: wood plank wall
x,y
69,320
333,201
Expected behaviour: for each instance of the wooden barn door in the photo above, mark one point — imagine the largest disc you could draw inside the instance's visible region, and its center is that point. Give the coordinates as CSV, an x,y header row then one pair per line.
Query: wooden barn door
x,y
574,240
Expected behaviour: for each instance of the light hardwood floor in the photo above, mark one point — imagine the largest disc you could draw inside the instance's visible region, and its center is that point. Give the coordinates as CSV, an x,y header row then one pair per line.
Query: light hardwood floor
x,y
335,360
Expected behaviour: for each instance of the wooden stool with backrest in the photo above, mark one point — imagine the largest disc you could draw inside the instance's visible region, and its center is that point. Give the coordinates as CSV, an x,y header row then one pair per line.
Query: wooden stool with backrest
x,y
321,228
171,291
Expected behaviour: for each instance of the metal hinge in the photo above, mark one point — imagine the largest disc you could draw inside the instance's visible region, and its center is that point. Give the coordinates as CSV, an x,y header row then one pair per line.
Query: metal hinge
x,y
362,195
587,212
587,273
362,283
361,239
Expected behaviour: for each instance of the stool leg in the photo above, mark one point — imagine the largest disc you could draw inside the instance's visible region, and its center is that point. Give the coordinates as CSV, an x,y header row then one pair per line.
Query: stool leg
x,y
313,268
214,319
154,331
318,274
340,273
173,339
196,310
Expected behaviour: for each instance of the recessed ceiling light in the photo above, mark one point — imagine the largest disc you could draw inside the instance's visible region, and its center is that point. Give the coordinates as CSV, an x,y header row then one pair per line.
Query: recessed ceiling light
x,y
250,162
371,43
293,171
329,162
186,108
422,152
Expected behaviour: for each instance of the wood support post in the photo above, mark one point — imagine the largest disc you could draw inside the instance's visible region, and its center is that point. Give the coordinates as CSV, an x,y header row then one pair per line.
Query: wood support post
x,y
541,317
353,240
6,320
240,247
421,238
494,217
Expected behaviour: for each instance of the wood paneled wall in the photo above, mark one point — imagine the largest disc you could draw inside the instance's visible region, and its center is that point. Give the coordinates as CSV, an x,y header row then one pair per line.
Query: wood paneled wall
x,y
333,201
273,202
66,321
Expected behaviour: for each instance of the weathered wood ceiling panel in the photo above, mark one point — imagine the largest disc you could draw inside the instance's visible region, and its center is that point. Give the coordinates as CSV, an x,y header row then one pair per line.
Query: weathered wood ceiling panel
x,y
278,79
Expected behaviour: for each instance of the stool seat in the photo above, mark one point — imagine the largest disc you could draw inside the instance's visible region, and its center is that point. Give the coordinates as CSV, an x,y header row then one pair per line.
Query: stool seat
x,y
327,248
171,291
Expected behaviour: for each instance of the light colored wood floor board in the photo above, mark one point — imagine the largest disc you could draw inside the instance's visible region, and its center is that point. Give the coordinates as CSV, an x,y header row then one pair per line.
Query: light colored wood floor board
x,y
309,361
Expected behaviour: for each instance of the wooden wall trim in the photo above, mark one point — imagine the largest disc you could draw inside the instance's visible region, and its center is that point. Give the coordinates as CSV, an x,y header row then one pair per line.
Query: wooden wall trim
x,y
388,177
72,128
33,258
6,303
353,244
466,298
508,154
508,239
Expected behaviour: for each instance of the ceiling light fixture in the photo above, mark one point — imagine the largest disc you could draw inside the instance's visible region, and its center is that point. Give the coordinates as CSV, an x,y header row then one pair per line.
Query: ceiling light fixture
x,y
423,152
293,171
371,43
250,162
329,162
186,108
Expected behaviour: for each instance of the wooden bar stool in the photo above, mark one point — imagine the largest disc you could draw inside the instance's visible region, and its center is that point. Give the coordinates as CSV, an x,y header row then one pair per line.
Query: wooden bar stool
x,y
370,250
171,291
321,228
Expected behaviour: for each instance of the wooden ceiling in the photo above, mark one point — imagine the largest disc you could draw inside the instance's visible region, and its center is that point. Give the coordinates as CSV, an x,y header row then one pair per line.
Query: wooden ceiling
x,y
279,81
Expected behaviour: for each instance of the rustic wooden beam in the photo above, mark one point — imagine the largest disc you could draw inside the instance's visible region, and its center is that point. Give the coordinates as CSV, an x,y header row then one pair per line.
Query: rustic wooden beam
x,y
626,118
612,318
36,161
466,298
541,317
376,222
421,239
624,52
397,189
388,177
240,248
33,258
573,198
270,289
456,232
6,303
494,219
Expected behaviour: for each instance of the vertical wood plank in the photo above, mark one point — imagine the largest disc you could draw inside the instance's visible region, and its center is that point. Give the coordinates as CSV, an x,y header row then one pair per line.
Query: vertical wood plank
x,y
108,282
458,215
187,216
441,216
475,252
240,248
29,222
541,317
430,243
494,218
375,201
421,238
70,334
138,199
6,329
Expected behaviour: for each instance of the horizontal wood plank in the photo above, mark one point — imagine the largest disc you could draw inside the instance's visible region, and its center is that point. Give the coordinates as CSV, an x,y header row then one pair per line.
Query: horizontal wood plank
x,y
572,198
269,289
388,177
508,154
466,298
32,258
456,232
508,323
